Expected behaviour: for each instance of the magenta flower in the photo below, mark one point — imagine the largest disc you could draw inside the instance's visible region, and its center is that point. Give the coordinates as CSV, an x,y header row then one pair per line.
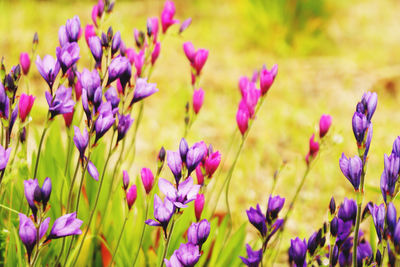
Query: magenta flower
x,y
155,53
185,24
66,225
25,105
200,59
190,51
90,31
152,28
198,206
324,124
25,62
198,99
313,149
242,119
147,179
167,15
267,78
67,55
48,68
131,195
212,162
139,62
199,174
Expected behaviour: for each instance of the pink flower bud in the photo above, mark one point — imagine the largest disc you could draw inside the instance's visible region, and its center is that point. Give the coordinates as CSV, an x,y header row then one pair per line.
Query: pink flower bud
x,y
243,82
200,59
25,62
313,151
125,179
167,15
147,179
156,53
152,28
242,119
89,32
131,195
130,54
267,78
324,125
189,50
68,117
95,11
25,105
198,99
119,87
199,174
78,89
139,61
199,206
212,163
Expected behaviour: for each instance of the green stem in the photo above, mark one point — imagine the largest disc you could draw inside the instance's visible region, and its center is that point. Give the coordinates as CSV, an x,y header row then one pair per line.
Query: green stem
x,y
96,200
119,239
143,230
167,242
71,187
39,150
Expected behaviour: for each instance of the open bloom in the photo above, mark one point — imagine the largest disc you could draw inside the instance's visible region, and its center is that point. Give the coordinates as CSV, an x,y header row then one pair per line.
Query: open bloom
x,y
25,105
28,232
351,168
267,78
167,15
48,68
67,55
186,256
186,192
257,218
66,225
143,89
254,257
163,212
61,103
195,155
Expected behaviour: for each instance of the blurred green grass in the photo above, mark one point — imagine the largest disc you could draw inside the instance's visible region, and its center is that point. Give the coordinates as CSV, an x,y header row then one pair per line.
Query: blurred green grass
x,y
356,49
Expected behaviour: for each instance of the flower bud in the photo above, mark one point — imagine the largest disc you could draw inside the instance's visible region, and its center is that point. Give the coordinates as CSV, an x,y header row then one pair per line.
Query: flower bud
x,y
212,163
198,99
131,195
200,59
334,227
161,155
25,105
116,42
46,191
183,149
147,179
242,119
332,206
199,206
25,62
199,174
185,24
155,53
125,179
267,78
324,125
139,38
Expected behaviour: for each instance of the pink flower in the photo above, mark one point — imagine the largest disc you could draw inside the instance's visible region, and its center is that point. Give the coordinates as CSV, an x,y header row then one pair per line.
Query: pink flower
x,y
131,196
167,15
200,59
89,32
155,53
267,78
25,105
68,117
190,51
324,125
199,206
147,179
212,163
198,99
242,119
199,174
25,62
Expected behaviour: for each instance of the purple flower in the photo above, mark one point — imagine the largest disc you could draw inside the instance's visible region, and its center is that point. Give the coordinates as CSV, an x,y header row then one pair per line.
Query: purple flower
x,y
368,104
119,67
92,170
90,81
4,157
96,49
28,232
73,29
378,215
31,188
173,261
48,68
396,237
267,78
351,168
348,210
62,36
195,155
188,254
167,15
124,123
257,218
254,257
66,225
390,175
198,232
275,205
396,147
143,89
175,164
112,97
298,252
61,103
185,24
104,121
81,140
67,55
183,149
343,230
46,191
116,41
4,103
391,217
163,212
360,126
186,192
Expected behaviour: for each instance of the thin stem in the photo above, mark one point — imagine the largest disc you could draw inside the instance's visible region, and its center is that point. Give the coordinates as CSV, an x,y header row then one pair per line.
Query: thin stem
x,y
119,239
71,187
143,230
167,242
133,143
39,150
97,199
